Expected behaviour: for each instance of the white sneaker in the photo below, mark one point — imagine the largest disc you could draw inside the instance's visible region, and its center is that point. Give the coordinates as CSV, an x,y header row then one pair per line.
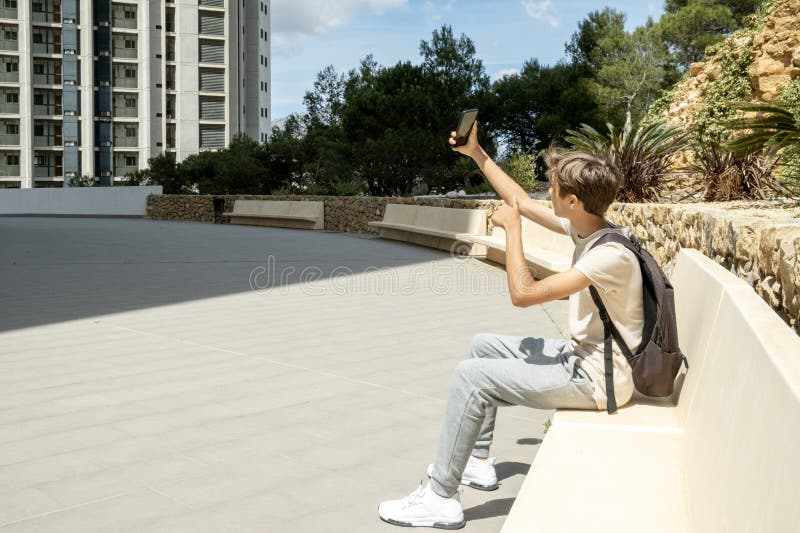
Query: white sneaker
x,y
424,508
477,474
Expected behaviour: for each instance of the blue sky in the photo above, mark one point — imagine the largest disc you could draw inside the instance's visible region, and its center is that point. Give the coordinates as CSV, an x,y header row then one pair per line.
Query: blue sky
x,y
311,34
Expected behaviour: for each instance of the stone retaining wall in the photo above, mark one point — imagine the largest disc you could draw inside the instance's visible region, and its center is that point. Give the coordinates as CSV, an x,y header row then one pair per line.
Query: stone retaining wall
x,y
761,246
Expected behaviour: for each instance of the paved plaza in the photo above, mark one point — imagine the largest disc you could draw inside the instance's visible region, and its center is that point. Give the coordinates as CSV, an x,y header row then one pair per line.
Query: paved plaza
x,y
187,377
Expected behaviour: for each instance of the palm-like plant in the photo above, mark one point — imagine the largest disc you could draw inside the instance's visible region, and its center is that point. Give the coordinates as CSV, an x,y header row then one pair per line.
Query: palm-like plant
x,y
771,125
642,157
731,176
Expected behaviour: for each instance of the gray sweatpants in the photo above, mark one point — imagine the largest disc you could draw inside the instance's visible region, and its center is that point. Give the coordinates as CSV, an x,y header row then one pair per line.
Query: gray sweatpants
x,y
503,370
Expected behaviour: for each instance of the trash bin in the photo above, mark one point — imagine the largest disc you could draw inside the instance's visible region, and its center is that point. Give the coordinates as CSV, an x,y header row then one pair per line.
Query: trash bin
x,y
219,208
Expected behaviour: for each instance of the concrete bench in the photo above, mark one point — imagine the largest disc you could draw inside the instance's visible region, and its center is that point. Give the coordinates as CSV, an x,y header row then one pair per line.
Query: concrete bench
x,y
436,227
278,213
720,456
546,252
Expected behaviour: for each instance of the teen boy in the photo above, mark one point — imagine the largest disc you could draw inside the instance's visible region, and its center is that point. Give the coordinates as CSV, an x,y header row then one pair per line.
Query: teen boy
x,y
538,373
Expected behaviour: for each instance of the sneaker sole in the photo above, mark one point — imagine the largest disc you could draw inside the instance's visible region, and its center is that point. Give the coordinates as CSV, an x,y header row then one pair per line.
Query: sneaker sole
x,y
478,486
439,525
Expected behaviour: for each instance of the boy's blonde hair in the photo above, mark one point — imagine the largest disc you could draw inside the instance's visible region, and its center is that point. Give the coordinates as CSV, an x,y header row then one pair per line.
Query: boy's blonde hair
x,y
589,177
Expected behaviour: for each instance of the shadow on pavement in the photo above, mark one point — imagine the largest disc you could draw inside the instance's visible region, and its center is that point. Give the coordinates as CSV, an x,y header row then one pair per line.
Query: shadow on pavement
x,y
59,269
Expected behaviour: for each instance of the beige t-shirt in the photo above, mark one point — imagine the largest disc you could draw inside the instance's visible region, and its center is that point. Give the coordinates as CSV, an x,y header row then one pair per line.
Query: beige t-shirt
x,y
615,272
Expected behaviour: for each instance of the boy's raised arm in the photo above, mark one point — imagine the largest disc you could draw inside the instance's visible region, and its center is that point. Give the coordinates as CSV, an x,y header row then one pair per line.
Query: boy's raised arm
x,y
505,186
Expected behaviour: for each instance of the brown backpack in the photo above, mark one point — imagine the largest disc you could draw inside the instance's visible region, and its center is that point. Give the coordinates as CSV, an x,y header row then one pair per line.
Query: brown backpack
x,y
657,361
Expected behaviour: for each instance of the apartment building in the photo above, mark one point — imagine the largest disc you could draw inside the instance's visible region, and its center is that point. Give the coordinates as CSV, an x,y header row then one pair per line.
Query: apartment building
x,y
96,87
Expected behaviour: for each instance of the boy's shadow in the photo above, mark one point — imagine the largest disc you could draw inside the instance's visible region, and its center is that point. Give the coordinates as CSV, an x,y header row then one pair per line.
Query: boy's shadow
x,y
489,509
510,468
502,506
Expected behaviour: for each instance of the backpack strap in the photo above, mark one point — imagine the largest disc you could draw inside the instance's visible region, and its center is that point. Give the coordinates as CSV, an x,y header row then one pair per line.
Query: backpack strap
x,y
609,331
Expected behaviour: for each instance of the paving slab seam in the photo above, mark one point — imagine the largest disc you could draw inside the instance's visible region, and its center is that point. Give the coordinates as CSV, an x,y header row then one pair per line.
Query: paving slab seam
x,y
90,502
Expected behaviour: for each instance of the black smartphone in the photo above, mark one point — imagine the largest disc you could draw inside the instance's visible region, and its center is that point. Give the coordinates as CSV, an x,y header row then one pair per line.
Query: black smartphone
x,y
465,124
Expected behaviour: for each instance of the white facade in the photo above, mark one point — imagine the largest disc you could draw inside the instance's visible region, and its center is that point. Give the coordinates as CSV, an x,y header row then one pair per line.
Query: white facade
x,y
96,87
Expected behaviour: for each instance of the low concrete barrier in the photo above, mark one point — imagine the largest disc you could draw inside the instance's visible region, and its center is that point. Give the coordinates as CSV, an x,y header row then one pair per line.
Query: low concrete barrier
x,y
77,201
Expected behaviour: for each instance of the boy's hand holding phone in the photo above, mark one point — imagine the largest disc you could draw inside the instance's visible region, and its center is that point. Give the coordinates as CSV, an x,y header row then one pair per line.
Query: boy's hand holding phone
x,y
465,139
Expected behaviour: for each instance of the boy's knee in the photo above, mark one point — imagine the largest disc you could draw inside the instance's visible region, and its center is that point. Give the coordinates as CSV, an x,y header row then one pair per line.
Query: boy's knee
x,y
463,372
480,344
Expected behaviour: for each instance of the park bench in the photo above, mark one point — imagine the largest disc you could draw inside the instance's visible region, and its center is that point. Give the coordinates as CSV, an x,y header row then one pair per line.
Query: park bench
x,y
278,213
546,252
720,456
436,227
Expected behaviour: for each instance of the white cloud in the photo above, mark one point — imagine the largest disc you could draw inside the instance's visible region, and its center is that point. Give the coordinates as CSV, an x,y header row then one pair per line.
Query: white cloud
x,y
505,72
435,10
294,22
540,11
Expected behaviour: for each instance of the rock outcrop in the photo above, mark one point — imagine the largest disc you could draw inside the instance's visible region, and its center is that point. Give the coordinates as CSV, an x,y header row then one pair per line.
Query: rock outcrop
x,y
775,53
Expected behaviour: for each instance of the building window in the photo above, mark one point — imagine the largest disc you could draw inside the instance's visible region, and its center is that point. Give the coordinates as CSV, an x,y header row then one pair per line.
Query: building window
x,y
130,43
11,4
11,35
130,102
12,67
37,7
38,99
130,72
12,129
38,130
130,160
12,160
12,98
130,14
130,132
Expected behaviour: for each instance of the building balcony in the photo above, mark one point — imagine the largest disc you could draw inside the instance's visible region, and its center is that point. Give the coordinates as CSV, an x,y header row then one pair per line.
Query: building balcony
x,y
9,171
9,139
126,112
9,77
126,142
51,17
9,108
9,13
120,52
47,110
47,79
124,170
46,172
122,23
126,83
46,48
9,45
48,141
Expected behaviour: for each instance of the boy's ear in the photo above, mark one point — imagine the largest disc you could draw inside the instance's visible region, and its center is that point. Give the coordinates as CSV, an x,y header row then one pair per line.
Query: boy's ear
x,y
574,201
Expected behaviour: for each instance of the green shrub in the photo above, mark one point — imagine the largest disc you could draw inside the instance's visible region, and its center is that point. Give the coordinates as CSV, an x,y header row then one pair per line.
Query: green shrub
x,y
522,168
733,85
642,158
348,188
728,175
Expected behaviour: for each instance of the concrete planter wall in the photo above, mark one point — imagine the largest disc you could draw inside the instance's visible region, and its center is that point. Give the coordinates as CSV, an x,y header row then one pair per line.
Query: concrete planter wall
x,y
762,249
